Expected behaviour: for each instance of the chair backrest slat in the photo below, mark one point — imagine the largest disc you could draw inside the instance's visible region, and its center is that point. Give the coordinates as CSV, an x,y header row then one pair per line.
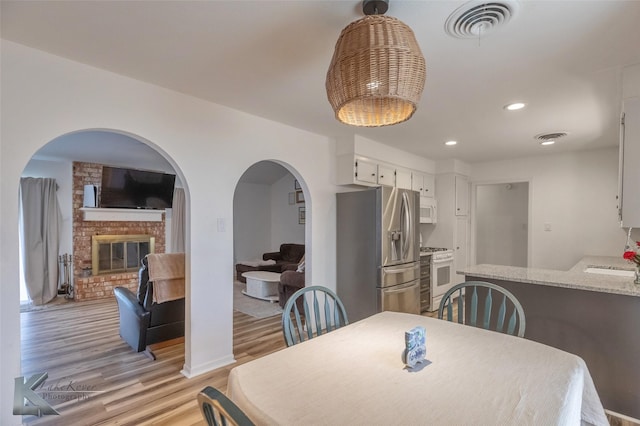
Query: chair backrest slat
x,y
298,324
469,314
316,311
474,307
488,301
501,313
512,323
327,315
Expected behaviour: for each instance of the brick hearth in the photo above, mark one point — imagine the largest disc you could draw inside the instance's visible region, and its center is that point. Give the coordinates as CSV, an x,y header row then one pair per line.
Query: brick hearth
x,y
101,286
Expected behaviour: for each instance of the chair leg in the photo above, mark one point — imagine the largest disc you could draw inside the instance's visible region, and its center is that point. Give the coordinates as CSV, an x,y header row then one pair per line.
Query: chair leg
x,y
149,353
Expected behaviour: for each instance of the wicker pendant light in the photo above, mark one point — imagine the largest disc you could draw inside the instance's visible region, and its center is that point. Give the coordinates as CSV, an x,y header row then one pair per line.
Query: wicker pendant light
x,y
377,72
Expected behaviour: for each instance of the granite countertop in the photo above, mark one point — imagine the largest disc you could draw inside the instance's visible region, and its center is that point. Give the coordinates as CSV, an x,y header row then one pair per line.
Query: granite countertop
x,y
574,278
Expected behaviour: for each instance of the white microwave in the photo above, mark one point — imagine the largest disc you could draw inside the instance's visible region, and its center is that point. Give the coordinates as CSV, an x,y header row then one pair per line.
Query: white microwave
x,y
428,210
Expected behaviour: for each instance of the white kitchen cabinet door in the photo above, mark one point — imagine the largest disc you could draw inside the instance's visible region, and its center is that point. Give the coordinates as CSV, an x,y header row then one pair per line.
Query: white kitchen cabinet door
x,y
429,185
366,171
403,179
386,175
629,195
424,183
462,195
417,182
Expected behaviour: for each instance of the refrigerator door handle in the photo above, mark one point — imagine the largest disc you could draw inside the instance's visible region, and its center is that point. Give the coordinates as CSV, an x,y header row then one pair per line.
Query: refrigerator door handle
x,y
388,270
406,230
402,287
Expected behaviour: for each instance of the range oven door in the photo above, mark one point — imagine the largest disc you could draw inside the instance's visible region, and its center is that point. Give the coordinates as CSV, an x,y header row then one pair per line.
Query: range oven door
x,y
401,298
441,280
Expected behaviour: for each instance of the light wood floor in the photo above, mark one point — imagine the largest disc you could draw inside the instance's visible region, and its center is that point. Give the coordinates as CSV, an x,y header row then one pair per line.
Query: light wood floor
x,y
78,345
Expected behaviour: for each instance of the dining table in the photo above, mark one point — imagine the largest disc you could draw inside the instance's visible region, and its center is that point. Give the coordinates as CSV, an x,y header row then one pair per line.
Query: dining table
x,y
356,375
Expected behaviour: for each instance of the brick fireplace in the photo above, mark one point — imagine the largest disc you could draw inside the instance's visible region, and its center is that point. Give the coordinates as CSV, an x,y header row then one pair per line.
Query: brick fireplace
x,y
101,286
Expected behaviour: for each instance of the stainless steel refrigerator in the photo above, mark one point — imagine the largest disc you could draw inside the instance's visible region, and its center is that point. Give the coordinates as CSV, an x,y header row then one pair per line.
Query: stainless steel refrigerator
x,y
378,259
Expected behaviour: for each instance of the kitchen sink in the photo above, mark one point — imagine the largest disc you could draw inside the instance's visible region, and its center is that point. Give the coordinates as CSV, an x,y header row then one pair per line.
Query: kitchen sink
x,y
609,271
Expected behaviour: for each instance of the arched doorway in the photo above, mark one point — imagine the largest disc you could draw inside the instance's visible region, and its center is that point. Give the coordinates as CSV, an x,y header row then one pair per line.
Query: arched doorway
x,y
76,159
269,225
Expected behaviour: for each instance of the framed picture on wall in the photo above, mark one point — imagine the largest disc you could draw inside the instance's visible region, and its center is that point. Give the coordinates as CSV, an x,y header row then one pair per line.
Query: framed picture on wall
x,y
296,185
299,197
301,215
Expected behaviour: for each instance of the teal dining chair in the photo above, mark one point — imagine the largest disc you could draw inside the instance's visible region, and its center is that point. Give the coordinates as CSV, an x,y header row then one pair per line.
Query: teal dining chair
x,y
218,410
300,323
493,317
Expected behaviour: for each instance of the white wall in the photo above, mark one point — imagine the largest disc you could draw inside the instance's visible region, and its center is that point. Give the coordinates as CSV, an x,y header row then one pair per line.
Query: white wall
x,y
573,192
209,146
62,172
502,223
284,216
251,221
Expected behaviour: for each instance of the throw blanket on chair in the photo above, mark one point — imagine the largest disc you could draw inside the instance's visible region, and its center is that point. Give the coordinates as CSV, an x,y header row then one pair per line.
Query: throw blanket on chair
x,y
166,272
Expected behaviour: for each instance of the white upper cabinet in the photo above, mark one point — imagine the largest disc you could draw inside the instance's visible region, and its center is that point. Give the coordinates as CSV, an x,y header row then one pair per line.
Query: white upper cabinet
x,y
403,178
429,185
462,195
366,171
364,162
424,183
628,193
356,170
362,171
386,175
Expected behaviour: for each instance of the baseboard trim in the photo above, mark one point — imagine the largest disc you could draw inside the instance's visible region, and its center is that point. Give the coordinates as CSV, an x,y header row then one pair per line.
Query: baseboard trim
x,y
190,372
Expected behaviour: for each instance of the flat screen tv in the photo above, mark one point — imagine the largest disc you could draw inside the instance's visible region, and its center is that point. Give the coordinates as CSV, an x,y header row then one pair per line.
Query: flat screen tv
x,y
136,189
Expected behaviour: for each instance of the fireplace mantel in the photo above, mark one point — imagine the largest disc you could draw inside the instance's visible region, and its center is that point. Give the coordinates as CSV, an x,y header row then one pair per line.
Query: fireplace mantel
x,y
121,215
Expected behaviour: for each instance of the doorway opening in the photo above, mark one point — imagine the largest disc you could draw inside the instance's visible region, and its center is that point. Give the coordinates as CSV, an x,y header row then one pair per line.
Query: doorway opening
x,y
71,159
502,224
269,239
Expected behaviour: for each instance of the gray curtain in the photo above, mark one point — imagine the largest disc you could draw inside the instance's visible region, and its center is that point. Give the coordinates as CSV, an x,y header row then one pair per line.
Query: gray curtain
x,y
177,221
40,221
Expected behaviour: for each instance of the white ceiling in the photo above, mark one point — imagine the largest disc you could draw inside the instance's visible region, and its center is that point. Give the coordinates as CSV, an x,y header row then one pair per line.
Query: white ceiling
x,y
269,58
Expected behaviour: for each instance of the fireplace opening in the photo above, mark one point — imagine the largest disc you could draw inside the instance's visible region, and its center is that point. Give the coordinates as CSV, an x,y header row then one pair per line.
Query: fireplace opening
x,y
119,253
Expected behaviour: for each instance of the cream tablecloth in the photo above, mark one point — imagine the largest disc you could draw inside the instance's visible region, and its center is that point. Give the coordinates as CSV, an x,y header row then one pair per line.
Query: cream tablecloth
x,y
355,376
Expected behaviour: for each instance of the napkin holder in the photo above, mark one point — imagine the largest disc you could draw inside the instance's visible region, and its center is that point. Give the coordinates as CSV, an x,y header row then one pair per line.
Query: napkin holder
x,y
415,346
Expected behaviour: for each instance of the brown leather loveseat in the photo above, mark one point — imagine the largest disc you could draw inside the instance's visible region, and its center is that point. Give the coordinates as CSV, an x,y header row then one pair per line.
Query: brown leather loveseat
x,y
287,258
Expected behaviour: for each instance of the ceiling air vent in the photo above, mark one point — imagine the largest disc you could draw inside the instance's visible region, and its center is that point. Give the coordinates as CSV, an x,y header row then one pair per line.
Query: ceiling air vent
x,y
544,137
476,18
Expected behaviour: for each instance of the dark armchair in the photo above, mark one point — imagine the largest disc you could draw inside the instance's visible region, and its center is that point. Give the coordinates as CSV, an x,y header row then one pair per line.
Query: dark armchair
x,y
144,322
290,282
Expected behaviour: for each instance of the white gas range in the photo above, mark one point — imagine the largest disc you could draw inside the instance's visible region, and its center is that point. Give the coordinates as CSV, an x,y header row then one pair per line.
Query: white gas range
x,y
439,279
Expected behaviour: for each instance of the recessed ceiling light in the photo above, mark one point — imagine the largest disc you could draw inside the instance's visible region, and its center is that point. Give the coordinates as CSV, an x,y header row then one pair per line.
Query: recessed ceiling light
x,y
550,142
514,106
451,143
